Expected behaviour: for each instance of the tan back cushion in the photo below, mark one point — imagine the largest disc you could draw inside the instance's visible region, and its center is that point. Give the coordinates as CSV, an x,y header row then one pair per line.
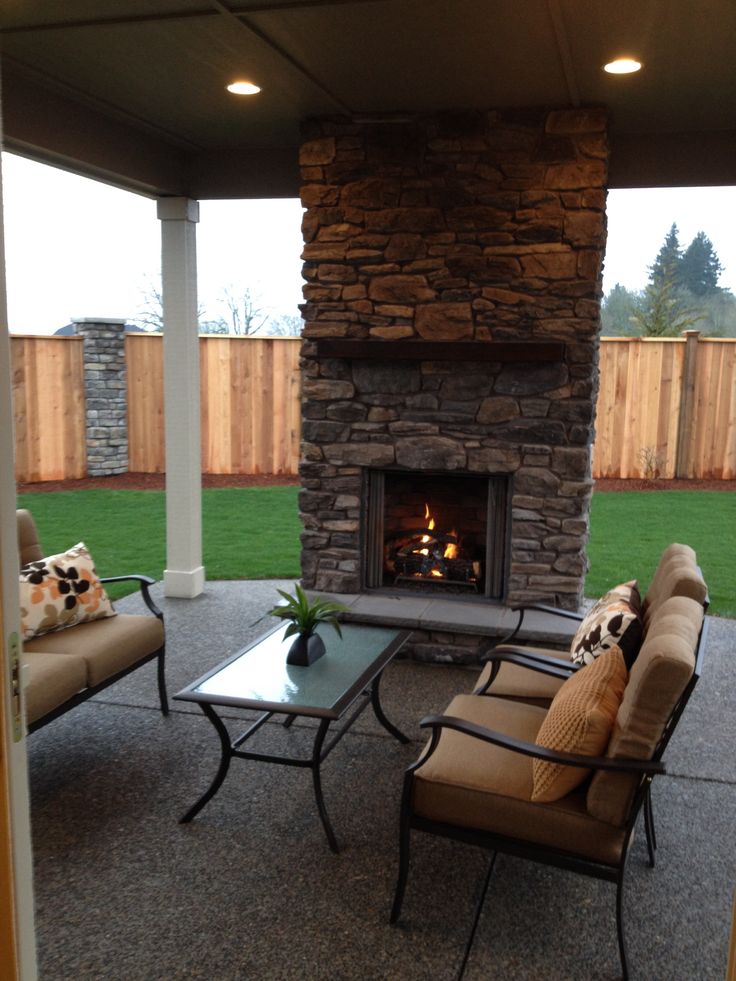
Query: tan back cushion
x,y
29,549
677,574
657,680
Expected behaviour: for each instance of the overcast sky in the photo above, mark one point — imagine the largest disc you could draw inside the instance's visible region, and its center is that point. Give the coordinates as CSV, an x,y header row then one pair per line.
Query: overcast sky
x,y
79,248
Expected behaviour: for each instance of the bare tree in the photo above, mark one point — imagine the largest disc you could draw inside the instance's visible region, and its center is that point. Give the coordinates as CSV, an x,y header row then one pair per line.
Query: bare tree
x,y
245,316
287,325
151,312
218,326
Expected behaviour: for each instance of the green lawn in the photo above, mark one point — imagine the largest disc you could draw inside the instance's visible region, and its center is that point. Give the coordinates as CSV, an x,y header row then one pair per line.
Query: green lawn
x,y
248,533
629,530
253,533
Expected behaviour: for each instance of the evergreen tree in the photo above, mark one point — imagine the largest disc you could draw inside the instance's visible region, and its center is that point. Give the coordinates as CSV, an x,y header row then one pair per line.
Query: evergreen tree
x,y
700,267
666,265
662,312
618,310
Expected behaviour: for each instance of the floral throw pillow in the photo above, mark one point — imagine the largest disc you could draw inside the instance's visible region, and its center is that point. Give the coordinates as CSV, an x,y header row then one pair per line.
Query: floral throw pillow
x,y
614,621
60,591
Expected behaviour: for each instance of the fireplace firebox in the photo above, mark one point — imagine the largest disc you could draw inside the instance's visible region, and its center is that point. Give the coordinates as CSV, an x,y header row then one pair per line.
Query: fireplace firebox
x,y
436,533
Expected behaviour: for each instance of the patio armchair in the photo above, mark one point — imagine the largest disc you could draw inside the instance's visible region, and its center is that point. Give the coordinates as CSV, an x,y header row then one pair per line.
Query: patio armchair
x,y
506,673
561,785
74,643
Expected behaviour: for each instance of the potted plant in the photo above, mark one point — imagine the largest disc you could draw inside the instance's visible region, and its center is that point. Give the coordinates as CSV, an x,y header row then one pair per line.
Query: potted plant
x,y
305,615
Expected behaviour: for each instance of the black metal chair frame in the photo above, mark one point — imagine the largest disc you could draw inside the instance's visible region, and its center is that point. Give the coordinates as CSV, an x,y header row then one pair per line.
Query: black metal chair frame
x,y
144,583
539,608
646,771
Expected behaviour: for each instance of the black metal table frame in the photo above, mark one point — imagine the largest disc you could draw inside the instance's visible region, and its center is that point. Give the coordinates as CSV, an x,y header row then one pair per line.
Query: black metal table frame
x,y
365,690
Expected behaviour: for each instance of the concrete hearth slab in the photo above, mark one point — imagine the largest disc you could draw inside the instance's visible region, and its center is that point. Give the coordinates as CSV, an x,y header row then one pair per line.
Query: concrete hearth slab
x,y
474,617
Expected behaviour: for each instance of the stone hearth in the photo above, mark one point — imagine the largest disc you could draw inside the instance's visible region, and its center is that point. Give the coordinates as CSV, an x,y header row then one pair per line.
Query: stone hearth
x,y
453,269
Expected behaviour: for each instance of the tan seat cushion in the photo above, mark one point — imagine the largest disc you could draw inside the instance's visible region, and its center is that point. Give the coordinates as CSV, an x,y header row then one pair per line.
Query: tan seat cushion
x,y
50,680
472,784
106,646
580,720
513,681
657,680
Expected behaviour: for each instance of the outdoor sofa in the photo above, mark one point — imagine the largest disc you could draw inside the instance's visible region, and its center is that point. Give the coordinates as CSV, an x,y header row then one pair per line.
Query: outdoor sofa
x,y
74,643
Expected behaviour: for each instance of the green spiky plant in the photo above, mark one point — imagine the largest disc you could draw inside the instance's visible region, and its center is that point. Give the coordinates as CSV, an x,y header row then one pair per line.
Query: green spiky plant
x,y
305,615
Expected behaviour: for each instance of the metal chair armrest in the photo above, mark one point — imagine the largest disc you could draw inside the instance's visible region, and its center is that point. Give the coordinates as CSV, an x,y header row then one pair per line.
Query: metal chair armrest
x,y
439,722
539,608
556,611
144,582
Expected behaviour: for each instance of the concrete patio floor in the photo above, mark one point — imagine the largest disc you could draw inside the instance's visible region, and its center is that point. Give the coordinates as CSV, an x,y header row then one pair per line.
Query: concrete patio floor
x,y
250,889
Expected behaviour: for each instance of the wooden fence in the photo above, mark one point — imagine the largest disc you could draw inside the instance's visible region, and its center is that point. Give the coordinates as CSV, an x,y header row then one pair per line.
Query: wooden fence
x,y
250,404
48,407
665,406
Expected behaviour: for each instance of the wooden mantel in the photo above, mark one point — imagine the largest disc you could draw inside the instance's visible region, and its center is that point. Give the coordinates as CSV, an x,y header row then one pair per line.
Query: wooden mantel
x,y
403,350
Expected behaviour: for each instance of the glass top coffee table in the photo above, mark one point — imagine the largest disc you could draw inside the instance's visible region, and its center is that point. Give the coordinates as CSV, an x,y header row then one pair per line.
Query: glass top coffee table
x,y
346,677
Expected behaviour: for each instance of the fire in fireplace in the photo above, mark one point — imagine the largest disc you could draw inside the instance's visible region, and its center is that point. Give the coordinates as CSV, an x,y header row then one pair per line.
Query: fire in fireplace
x,y
434,554
436,532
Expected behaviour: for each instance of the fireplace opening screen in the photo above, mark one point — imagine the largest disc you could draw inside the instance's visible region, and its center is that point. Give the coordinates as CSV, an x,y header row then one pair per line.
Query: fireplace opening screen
x,y
438,533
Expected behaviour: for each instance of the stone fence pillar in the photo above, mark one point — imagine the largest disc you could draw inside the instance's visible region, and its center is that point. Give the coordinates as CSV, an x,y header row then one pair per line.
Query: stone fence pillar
x,y
105,390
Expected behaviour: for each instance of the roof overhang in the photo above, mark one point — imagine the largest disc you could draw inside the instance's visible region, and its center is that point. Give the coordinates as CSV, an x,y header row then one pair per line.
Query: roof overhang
x,y
136,96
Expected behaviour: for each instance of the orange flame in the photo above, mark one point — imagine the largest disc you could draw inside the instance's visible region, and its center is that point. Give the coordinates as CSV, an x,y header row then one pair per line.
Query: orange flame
x,y
451,548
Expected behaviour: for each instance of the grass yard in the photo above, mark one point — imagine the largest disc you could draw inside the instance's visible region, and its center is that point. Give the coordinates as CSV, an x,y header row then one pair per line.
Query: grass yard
x,y
629,530
248,533
253,533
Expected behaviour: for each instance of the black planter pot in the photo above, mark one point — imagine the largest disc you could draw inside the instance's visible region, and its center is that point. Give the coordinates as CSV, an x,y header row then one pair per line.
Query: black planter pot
x,y
306,649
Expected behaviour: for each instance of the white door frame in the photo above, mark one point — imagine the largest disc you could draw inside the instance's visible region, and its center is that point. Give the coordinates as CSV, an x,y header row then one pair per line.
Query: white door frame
x,y
12,738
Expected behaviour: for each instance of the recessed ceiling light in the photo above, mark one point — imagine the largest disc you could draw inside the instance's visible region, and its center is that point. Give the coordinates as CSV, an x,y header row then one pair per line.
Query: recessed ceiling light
x,y
622,66
243,88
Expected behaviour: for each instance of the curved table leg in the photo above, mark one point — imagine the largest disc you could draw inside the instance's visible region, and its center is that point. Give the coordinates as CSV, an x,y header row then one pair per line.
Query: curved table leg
x,y
316,753
226,756
378,711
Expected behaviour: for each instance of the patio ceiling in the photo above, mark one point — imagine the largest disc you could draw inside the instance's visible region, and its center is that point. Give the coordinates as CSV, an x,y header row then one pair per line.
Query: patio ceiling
x,y
133,91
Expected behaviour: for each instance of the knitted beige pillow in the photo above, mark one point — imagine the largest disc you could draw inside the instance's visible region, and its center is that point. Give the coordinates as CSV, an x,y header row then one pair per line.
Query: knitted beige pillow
x,y
580,720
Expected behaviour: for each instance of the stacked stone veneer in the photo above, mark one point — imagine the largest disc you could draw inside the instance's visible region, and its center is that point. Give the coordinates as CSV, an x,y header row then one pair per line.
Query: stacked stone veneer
x,y
105,389
479,226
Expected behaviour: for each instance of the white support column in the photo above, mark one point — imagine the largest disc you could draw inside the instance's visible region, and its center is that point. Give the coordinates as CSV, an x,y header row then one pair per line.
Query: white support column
x,y
184,573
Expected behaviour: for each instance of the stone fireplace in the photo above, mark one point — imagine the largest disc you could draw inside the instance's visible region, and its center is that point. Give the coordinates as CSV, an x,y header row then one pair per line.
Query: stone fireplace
x,y
453,269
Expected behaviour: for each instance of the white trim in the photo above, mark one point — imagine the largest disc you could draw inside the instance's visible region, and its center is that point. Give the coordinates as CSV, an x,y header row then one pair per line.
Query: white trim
x,y
184,585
